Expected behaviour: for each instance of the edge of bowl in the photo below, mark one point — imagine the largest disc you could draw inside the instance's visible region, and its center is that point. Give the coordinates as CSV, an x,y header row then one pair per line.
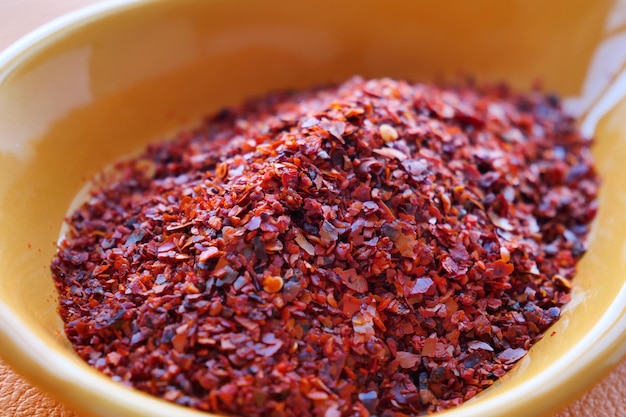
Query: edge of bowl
x,y
11,53
24,351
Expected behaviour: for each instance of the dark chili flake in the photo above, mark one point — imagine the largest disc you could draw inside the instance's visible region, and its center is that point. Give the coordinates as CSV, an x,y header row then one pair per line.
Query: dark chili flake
x,y
378,248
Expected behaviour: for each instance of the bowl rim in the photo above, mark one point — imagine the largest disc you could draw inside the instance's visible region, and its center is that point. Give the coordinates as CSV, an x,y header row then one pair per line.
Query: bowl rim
x,y
10,54
587,361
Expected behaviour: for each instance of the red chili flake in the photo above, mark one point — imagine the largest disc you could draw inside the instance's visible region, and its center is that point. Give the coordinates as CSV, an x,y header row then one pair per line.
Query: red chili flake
x,y
353,280
500,269
477,344
509,355
272,284
407,360
207,254
450,266
374,248
304,244
269,350
317,395
404,241
422,286
390,153
100,269
333,411
179,341
415,167
253,224
328,233
363,327
350,305
430,345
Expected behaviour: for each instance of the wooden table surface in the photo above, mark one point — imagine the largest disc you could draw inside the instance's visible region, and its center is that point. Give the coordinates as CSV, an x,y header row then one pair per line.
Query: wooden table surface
x,y
19,399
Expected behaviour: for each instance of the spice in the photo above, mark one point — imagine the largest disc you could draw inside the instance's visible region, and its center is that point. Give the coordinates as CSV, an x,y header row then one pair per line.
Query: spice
x,y
376,248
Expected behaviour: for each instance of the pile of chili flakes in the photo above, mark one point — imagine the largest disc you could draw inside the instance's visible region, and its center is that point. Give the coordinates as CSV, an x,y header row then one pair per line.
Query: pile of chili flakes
x,y
376,248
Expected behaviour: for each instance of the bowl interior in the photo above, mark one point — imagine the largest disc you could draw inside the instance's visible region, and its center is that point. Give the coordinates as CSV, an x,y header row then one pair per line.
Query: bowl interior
x,y
113,79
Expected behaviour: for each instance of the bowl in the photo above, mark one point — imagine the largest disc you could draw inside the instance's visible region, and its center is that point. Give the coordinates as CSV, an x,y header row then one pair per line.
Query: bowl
x,y
97,85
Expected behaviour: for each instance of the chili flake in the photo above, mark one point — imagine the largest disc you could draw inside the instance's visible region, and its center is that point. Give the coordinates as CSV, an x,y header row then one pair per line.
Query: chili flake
x,y
375,248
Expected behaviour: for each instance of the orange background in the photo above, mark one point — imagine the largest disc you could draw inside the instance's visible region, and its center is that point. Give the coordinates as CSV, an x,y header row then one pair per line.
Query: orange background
x,y
20,399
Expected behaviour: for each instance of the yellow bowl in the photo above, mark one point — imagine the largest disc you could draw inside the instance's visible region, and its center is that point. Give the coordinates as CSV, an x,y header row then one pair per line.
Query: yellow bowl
x,y
96,85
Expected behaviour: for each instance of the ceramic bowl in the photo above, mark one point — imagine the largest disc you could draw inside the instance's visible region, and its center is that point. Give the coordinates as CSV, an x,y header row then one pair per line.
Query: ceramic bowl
x,y
97,85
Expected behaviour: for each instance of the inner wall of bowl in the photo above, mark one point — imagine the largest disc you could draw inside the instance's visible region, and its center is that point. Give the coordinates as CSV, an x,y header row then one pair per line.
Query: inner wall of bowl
x,y
88,99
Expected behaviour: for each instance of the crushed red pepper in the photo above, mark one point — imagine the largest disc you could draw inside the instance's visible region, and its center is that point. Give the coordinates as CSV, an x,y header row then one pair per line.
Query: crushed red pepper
x,y
377,248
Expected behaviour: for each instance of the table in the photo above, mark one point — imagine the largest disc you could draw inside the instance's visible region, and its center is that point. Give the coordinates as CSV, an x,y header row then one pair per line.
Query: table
x,y
20,399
